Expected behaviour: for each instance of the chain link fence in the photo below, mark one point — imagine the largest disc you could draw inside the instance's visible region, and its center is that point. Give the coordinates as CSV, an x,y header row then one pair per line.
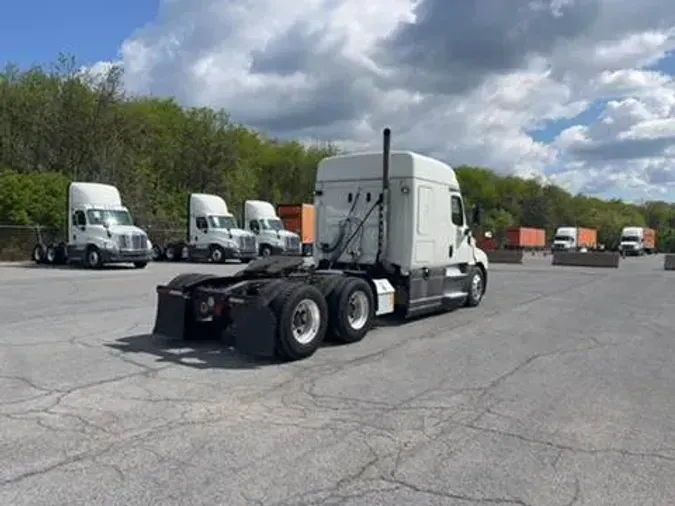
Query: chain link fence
x,y
17,241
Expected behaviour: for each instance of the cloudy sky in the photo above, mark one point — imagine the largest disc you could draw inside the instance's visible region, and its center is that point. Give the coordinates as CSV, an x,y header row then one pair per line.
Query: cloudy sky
x,y
581,92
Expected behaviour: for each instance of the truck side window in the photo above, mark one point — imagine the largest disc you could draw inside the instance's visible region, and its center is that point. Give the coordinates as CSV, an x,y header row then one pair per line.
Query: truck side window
x,y
201,223
457,211
79,219
254,226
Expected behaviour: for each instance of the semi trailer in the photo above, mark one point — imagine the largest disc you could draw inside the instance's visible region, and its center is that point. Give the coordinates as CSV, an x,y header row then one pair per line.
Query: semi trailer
x,y
385,245
211,234
100,231
575,239
261,218
300,219
525,238
637,241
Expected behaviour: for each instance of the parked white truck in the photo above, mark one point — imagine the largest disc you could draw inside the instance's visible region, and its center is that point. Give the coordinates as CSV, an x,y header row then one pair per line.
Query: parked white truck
x,y
575,239
212,233
100,231
637,241
261,218
393,237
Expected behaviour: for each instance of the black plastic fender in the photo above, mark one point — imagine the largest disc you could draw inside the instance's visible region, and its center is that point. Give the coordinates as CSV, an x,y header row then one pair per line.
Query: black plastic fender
x,y
174,318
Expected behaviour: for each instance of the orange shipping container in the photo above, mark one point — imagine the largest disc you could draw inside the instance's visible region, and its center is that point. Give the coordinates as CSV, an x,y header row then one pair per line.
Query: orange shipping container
x,y
299,218
649,238
587,238
523,237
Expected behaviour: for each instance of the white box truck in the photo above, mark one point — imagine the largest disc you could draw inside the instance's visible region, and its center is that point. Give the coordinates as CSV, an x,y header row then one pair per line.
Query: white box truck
x,y
212,233
100,231
261,218
393,238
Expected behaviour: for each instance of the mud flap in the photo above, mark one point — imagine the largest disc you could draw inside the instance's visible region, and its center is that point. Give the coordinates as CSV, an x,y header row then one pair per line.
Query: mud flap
x,y
253,330
172,315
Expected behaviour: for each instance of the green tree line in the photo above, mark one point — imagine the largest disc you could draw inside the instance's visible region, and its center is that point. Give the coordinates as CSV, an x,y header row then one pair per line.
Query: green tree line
x,y
58,125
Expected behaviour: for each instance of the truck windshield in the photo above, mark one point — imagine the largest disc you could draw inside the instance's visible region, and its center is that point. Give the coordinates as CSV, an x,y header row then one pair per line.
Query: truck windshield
x,y
222,222
108,217
272,224
563,238
629,238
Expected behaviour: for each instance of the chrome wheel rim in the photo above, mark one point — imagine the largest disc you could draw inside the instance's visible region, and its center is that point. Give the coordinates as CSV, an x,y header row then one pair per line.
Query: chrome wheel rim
x,y
93,258
477,286
216,255
51,254
306,321
358,310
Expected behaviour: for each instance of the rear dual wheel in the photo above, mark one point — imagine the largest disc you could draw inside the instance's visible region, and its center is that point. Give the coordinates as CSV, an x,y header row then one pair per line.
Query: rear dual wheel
x,y
304,316
302,320
352,310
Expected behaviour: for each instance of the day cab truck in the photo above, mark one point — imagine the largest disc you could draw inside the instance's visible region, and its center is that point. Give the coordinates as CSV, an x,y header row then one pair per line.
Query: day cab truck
x,y
300,219
637,241
212,234
100,231
392,238
261,218
575,239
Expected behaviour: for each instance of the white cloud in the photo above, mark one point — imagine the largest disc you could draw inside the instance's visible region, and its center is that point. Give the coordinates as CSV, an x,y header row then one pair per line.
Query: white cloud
x,y
462,81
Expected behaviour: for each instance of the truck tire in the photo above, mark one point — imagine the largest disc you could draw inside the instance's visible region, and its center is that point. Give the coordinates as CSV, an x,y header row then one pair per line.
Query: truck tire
x,y
265,250
38,254
302,320
216,254
92,258
475,286
351,307
51,255
170,253
156,253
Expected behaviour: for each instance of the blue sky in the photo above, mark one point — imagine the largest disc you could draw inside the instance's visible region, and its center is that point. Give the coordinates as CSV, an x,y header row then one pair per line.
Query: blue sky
x,y
35,31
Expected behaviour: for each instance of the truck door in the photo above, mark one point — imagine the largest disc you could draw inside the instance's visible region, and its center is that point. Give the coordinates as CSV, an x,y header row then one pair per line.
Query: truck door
x,y
461,248
77,241
201,239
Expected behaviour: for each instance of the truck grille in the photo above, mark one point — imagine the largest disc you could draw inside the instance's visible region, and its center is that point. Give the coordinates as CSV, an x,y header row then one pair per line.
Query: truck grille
x,y
133,242
292,244
247,243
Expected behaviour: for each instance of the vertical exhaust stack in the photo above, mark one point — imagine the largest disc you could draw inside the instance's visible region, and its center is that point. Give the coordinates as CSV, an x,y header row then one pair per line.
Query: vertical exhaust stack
x,y
384,196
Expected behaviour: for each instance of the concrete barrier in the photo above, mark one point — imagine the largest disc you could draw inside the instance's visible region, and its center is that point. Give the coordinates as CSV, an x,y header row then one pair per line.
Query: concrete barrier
x,y
505,256
588,259
669,262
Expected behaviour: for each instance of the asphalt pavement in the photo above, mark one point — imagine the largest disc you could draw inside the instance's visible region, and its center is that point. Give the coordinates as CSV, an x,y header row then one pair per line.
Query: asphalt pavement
x,y
556,391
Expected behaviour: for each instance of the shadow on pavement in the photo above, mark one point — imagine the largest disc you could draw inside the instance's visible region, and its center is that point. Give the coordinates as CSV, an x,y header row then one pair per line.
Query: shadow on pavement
x,y
196,354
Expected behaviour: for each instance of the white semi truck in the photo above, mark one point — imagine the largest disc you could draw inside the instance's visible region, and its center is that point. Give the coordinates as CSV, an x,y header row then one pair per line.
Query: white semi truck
x,y
212,233
261,218
637,241
392,237
575,239
100,231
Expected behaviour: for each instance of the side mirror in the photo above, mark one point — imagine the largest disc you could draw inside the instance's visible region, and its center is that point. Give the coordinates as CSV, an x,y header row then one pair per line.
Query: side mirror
x,y
476,215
